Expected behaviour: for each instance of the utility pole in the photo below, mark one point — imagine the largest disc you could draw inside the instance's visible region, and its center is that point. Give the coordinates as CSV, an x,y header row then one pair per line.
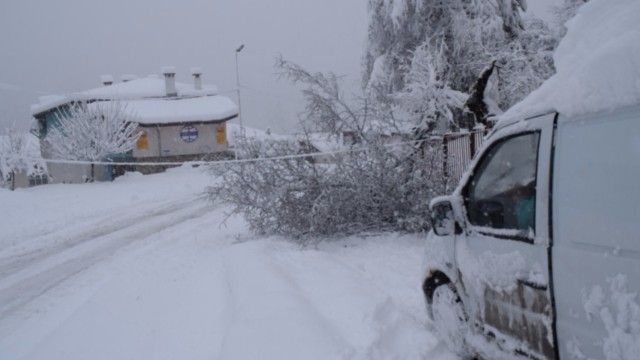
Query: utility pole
x,y
238,89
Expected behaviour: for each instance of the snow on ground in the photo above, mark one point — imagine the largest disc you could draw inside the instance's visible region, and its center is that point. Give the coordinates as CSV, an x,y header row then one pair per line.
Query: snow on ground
x,y
146,268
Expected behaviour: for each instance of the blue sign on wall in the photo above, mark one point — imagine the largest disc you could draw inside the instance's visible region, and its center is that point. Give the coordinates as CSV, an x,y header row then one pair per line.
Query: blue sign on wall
x,y
189,133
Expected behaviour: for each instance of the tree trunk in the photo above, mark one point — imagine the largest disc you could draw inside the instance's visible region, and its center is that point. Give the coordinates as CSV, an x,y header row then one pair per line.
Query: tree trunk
x,y
476,103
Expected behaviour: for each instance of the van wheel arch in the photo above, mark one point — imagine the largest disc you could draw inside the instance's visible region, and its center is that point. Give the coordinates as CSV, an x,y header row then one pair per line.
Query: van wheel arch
x,y
447,312
436,278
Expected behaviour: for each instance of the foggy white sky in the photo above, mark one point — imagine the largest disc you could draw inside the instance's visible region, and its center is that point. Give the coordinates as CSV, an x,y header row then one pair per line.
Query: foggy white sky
x,y
52,47
64,46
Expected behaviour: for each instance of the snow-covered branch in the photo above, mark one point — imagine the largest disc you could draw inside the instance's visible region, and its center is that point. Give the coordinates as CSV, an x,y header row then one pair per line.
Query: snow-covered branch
x,y
93,131
17,154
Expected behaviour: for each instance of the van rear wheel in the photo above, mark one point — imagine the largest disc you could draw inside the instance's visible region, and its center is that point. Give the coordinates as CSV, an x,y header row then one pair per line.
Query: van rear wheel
x,y
449,318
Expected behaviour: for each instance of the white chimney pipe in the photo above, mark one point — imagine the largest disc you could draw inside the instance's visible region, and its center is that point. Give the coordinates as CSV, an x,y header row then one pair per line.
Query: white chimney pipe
x,y
169,73
197,78
106,80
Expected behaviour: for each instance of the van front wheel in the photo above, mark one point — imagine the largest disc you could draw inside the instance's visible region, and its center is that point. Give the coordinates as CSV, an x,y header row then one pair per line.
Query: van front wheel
x,y
449,318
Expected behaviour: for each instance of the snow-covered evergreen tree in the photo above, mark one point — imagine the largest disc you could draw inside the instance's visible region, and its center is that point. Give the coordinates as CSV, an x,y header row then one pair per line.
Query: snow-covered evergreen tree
x,y
457,38
525,62
428,98
398,27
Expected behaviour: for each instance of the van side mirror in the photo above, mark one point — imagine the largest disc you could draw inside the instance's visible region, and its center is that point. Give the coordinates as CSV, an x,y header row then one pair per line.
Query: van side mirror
x,y
443,221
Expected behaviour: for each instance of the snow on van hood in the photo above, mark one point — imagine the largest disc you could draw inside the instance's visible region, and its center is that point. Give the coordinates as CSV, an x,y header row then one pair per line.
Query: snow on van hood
x,y
597,63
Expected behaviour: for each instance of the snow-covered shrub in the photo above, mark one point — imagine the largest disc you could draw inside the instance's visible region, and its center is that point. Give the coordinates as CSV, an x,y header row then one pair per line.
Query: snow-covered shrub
x,y
382,179
367,189
18,154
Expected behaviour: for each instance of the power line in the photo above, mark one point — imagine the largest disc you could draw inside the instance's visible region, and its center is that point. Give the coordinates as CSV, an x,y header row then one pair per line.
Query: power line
x,y
224,162
261,92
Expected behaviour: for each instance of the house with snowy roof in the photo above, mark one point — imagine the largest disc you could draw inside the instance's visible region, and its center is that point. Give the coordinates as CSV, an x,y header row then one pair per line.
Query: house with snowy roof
x,y
177,122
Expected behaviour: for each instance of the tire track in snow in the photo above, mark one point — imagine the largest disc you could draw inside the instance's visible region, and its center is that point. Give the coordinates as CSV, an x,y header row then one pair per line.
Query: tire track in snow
x,y
393,329
263,296
12,263
48,271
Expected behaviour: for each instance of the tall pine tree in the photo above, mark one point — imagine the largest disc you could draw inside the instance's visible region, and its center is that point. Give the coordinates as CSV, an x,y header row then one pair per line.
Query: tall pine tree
x,y
428,53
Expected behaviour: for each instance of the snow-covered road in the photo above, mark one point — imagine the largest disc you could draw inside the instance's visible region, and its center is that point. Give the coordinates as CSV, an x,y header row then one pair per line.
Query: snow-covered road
x,y
145,268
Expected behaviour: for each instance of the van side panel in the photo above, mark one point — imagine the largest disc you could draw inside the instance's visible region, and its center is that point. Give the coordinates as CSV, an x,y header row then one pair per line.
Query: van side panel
x,y
596,234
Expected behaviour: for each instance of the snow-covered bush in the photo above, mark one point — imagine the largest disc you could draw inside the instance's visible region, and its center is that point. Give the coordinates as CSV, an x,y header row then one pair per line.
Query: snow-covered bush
x,y
381,181
367,189
16,154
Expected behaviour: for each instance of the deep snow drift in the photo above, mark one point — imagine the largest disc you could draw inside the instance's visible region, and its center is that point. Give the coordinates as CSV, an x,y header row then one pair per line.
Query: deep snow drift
x,y
145,268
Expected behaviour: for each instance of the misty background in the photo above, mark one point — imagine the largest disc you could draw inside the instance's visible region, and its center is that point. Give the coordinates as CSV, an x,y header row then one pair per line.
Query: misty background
x,y
64,46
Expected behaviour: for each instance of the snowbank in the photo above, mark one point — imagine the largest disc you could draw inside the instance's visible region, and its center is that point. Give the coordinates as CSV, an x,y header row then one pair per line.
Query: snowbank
x,y
597,63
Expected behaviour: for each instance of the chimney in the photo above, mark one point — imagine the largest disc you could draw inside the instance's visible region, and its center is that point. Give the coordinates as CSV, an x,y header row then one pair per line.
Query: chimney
x,y
106,80
128,77
169,73
197,78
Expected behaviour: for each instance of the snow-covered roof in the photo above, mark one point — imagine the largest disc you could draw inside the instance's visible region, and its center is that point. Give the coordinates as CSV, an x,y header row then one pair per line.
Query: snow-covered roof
x,y
597,63
180,110
149,87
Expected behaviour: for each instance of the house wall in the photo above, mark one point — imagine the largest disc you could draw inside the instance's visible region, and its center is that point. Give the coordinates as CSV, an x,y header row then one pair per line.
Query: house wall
x,y
21,180
166,140
50,119
18,179
158,144
76,173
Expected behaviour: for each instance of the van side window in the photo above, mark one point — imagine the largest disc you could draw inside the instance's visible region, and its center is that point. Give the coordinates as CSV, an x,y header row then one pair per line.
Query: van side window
x,y
502,193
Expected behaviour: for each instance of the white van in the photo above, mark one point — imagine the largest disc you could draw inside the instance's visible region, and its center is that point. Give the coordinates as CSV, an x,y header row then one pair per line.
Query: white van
x,y
536,254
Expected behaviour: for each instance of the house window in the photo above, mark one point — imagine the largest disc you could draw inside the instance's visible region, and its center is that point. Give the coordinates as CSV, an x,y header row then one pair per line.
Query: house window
x,y
143,141
221,135
189,133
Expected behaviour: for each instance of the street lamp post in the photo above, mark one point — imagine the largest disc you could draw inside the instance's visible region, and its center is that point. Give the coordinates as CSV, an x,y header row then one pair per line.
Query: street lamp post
x,y
238,88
